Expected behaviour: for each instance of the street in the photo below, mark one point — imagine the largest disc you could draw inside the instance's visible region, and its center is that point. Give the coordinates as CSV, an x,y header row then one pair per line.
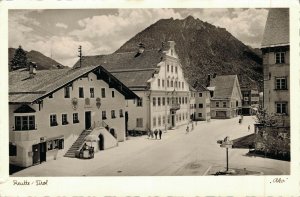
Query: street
x,y
177,154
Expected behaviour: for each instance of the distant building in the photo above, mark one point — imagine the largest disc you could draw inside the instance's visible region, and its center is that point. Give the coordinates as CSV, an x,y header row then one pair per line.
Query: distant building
x,y
202,104
250,101
226,96
52,110
156,76
276,64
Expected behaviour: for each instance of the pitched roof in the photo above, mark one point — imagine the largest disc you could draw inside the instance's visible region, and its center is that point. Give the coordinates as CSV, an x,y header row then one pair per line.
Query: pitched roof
x,y
134,78
277,28
124,60
23,89
223,86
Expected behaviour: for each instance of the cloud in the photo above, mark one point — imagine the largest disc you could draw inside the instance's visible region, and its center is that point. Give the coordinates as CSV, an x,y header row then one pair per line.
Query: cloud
x,y
61,25
111,31
247,25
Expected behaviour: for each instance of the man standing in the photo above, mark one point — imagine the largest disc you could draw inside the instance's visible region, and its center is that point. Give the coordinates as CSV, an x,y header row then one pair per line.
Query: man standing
x,y
155,133
160,133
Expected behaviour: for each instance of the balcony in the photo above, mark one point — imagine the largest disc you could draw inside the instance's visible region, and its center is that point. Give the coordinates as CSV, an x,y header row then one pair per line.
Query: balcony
x,y
175,106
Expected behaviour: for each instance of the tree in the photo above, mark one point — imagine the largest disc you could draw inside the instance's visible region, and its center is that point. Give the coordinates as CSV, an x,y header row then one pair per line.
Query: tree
x,y
19,60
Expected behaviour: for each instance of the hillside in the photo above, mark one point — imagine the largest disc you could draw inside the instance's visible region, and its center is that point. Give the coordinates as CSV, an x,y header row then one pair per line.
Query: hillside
x,y
43,62
203,49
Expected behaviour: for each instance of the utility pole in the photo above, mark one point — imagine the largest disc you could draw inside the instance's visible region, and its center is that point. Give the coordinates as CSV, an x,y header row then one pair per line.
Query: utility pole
x,y
80,55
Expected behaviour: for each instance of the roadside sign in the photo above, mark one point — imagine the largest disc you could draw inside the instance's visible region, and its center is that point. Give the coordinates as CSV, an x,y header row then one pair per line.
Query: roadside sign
x,y
226,145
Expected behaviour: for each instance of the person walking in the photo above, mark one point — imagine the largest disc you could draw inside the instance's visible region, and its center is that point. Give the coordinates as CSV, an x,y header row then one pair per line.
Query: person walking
x,y
248,128
187,129
160,133
149,133
155,133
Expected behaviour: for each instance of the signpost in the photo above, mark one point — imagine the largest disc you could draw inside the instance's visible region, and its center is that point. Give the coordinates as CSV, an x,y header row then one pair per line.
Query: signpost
x,y
226,143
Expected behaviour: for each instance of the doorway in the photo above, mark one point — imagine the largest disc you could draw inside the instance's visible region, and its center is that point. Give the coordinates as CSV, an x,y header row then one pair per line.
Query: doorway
x,y
101,142
88,120
35,154
42,152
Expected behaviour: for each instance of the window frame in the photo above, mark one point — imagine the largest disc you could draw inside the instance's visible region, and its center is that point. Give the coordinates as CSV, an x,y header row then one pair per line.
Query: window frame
x,y
53,120
103,113
280,86
80,92
280,59
92,92
75,118
67,92
113,114
103,93
64,119
281,103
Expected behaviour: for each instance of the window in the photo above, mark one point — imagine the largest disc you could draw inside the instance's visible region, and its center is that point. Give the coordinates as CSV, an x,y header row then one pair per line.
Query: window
x,y
139,102
75,118
168,83
168,100
171,83
171,68
199,115
200,94
154,121
53,120
185,100
175,84
163,101
158,101
139,122
113,94
217,104
175,69
159,121
200,105
224,104
180,100
92,94
64,118
12,149
281,83
23,123
121,113
179,84
168,68
67,92
104,115
164,120
154,101
81,93
158,82
281,107
113,114
55,144
182,85
279,57
163,83
103,92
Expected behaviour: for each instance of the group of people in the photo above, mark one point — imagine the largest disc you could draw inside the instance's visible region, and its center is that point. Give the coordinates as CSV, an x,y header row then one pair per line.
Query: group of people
x,y
156,132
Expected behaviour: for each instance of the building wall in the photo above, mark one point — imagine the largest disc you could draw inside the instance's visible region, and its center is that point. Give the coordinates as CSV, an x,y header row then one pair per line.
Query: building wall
x,y
141,112
59,105
271,71
203,98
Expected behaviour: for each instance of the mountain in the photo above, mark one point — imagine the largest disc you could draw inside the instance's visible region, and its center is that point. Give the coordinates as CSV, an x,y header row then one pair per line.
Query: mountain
x,y
203,49
43,62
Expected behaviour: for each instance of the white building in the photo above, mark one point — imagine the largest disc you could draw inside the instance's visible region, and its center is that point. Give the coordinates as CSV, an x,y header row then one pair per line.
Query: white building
x,y
51,109
156,76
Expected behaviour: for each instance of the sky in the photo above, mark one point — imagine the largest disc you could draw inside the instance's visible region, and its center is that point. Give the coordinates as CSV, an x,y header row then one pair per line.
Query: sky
x,y
57,33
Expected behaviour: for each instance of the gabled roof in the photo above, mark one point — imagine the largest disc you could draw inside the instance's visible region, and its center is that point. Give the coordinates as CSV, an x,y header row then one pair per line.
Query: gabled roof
x,y
23,89
277,28
134,78
132,68
125,60
224,85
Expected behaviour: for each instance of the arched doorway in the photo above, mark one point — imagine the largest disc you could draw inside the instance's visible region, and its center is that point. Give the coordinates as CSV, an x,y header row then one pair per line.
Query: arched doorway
x,y
101,142
113,132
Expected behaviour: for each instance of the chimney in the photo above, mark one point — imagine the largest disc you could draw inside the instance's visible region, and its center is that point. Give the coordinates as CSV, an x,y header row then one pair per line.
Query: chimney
x,y
141,48
32,69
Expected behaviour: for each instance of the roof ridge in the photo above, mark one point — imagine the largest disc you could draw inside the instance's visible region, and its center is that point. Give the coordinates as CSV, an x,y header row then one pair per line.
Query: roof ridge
x,y
132,69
